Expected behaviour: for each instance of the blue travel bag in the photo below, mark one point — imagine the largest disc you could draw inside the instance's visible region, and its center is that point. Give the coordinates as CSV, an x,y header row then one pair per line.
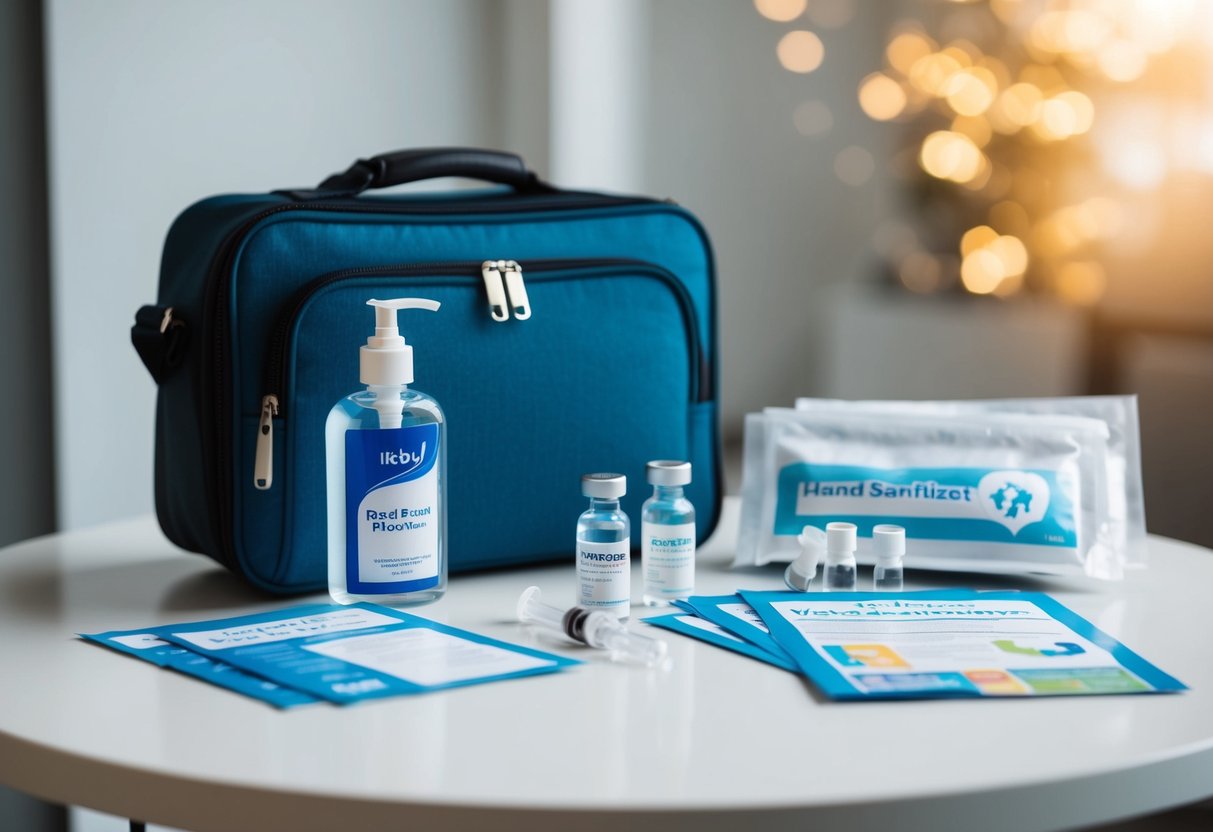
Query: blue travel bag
x,y
602,357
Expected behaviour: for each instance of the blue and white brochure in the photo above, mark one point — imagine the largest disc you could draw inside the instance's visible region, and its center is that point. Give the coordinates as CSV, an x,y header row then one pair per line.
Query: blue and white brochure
x,y
346,654
734,615
870,645
150,648
698,628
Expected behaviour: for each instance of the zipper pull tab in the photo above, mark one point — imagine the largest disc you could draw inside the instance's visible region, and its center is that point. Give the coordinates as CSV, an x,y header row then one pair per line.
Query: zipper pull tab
x,y
519,302
491,271
263,467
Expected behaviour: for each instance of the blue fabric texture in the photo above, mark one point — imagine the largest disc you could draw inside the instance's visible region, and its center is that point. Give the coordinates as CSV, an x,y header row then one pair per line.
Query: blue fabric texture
x,y
616,366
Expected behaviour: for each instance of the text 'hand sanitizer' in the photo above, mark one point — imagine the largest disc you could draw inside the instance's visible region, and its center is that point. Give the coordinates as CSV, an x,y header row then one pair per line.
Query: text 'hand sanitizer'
x,y
386,449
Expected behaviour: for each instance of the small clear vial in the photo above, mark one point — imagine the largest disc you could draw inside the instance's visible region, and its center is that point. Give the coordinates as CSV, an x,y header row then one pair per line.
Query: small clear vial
x,y
840,557
667,535
889,546
604,547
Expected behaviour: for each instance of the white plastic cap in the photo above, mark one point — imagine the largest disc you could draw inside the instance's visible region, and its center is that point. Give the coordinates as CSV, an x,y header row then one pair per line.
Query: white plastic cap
x,y
888,542
840,541
812,542
386,361
668,472
604,486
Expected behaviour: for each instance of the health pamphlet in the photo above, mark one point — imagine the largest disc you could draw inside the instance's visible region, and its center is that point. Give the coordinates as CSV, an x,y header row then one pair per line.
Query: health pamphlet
x,y
703,630
148,647
345,654
866,645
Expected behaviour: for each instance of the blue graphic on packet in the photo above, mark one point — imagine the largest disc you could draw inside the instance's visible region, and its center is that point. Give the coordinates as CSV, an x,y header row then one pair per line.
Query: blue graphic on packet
x,y
150,648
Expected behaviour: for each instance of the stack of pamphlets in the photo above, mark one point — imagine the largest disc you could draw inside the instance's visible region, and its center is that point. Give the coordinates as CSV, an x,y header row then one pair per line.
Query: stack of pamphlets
x,y
328,652
921,645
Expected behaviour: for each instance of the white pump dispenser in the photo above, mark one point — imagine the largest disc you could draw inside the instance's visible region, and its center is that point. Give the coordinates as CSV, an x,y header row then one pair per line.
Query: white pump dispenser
x,y
386,449
386,360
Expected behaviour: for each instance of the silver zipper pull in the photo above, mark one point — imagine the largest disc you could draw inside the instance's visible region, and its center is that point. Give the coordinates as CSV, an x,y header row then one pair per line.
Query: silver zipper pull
x,y
514,285
263,467
491,271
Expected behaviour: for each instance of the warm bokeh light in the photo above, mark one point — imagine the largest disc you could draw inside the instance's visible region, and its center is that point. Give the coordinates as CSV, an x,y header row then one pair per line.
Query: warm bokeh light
x,y
977,237
881,97
981,272
976,128
906,48
800,51
1081,282
971,91
954,156
781,10
1040,125
930,73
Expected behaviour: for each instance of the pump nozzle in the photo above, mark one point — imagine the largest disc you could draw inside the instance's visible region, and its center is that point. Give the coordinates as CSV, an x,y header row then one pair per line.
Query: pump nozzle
x,y
386,360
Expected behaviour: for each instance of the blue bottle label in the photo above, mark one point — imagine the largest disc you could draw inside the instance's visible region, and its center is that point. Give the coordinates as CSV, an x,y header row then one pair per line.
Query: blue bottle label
x,y
391,521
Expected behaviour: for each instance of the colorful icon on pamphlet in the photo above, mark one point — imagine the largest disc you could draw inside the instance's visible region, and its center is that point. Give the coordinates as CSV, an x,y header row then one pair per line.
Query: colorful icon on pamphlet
x,y
1064,648
864,655
995,682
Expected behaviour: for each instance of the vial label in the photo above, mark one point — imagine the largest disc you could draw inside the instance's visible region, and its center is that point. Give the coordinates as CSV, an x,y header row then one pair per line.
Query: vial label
x,y
667,557
391,522
604,576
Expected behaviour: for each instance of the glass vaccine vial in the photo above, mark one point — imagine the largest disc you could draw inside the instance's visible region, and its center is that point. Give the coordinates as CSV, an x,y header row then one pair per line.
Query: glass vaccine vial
x,y
604,547
667,535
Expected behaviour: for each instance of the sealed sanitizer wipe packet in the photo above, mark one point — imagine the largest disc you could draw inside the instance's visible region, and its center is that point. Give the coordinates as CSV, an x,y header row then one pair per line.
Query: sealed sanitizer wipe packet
x,y
980,490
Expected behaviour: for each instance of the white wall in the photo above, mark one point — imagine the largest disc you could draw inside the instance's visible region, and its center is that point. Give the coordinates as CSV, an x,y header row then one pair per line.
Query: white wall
x,y
154,105
721,140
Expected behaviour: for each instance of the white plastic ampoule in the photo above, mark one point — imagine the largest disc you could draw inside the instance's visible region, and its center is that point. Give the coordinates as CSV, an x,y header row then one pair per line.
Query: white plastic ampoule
x,y
840,569
889,546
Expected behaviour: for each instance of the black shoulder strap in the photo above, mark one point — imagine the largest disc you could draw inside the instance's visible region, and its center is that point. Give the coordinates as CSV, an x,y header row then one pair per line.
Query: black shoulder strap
x,y
159,337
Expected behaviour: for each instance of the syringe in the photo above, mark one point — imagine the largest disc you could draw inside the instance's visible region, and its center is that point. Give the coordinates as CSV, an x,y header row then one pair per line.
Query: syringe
x,y
592,627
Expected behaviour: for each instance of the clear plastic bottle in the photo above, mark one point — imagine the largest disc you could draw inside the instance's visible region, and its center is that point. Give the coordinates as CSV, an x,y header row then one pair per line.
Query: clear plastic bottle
x,y
667,535
386,478
604,547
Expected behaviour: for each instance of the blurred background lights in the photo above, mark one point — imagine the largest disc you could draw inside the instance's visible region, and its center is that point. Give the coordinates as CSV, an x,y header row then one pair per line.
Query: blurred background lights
x,y
881,97
949,155
970,91
1028,130
781,10
800,51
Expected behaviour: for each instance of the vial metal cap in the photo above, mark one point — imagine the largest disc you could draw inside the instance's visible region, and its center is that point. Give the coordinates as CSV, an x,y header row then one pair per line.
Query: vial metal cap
x,y
888,542
604,486
668,472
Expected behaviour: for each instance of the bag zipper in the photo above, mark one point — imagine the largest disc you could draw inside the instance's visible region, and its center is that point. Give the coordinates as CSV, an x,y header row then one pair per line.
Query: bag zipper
x,y
215,433
276,380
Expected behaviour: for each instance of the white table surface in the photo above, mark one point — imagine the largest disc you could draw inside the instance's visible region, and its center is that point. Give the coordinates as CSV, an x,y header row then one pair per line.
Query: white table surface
x,y
718,740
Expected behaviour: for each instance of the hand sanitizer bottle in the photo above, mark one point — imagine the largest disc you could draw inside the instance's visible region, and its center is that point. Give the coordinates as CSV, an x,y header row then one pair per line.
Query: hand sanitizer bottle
x,y
667,535
604,547
386,451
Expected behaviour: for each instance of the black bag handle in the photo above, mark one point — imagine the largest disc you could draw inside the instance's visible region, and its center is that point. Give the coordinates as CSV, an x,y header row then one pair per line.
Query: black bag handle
x,y
401,166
